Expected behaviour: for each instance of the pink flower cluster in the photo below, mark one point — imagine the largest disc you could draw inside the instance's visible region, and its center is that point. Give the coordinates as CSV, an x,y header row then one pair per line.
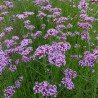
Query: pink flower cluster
x,y
86,18
68,83
94,0
8,29
10,90
9,43
9,4
67,80
89,59
1,19
83,4
51,32
4,60
25,42
24,15
70,73
55,52
35,35
60,20
84,25
85,36
38,2
45,88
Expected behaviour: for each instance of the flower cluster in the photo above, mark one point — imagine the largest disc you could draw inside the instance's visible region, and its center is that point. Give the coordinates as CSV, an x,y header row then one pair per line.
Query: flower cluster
x,y
83,4
84,25
4,60
70,73
9,4
60,20
12,68
94,0
9,91
9,43
67,80
8,29
45,88
55,52
25,42
1,19
24,15
68,83
85,36
51,32
38,2
35,35
89,59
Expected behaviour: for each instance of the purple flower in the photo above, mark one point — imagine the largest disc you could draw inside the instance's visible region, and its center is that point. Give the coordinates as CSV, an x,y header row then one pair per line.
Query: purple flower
x,y
30,27
85,36
17,84
70,73
9,91
68,83
12,68
8,29
45,88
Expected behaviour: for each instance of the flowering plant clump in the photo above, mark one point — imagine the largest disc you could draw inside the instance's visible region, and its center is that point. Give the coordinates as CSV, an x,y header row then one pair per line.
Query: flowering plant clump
x,y
53,41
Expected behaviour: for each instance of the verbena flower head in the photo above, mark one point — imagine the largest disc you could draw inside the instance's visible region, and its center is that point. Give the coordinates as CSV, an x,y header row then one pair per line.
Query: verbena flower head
x,y
38,2
68,83
70,73
85,36
45,88
9,91
89,59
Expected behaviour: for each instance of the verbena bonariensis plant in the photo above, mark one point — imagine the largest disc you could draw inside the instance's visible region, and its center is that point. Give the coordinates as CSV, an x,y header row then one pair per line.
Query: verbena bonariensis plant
x,y
51,45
